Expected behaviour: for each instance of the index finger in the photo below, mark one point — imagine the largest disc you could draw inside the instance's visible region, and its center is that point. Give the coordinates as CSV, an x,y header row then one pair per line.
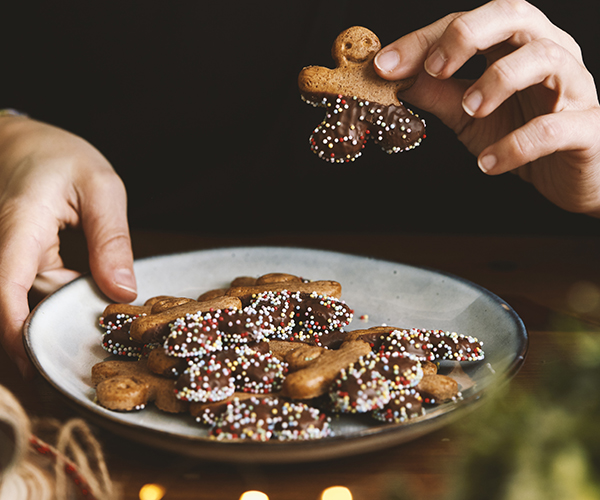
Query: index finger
x,y
443,47
405,57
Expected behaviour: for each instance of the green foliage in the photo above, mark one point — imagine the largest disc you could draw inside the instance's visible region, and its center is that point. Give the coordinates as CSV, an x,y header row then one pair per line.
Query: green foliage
x,y
543,443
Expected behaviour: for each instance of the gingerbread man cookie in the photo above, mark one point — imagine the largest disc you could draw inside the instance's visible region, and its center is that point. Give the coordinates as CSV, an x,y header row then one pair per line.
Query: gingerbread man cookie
x,y
360,104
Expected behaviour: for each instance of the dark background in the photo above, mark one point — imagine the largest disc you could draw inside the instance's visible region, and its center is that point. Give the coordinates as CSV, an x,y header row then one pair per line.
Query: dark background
x,y
196,107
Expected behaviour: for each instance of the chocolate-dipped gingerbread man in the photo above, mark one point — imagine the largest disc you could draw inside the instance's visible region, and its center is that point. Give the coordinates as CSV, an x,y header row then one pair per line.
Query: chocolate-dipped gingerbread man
x,y
360,104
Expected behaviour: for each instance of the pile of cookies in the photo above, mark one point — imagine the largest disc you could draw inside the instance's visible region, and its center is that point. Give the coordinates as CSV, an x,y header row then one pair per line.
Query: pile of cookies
x,y
270,358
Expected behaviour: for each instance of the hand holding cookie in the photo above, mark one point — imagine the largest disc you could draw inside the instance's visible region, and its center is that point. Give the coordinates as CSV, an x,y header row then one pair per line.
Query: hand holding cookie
x,y
535,107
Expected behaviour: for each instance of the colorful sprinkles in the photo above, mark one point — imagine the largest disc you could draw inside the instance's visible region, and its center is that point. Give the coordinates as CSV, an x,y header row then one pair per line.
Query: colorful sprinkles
x,y
404,404
430,345
360,388
269,418
116,339
302,317
350,122
230,369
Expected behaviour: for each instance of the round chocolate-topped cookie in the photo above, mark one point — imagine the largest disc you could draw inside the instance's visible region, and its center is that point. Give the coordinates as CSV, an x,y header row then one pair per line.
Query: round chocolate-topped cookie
x,y
454,347
403,405
243,326
262,419
413,342
430,345
360,387
274,306
256,372
301,316
253,419
316,315
207,379
116,339
194,335
300,422
401,369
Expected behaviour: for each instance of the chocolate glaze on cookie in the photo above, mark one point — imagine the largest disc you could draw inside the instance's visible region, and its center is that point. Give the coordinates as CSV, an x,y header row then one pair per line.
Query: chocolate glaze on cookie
x,y
201,333
254,371
349,122
205,380
301,316
263,419
360,387
401,369
430,345
403,405
194,335
316,315
275,306
116,339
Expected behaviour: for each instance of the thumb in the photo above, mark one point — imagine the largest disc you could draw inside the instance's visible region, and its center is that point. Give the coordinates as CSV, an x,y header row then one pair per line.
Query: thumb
x,y
406,57
104,220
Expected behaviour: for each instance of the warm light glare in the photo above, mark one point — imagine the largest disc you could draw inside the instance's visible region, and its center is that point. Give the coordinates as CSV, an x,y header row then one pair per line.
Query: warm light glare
x,y
254,495
583,297
152,492
336,493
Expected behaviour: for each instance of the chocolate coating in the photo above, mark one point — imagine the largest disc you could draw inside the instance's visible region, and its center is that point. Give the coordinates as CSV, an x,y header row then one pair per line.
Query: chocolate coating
x,y
429,345
254,371
205,380
301,316
400,369
403,405
262,419
360,387
349,122
116,338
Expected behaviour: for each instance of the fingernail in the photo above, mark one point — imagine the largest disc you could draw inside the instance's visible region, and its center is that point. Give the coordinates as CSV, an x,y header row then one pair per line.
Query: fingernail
x,y
472,102
125,280
487,162
387,61
435,63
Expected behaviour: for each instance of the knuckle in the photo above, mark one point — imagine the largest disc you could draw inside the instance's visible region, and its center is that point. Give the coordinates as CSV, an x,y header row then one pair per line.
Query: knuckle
x,y
98,187
424,40
109,240
547,130
539,136
518,8
105,177
521,146
461,31
503,74
553,53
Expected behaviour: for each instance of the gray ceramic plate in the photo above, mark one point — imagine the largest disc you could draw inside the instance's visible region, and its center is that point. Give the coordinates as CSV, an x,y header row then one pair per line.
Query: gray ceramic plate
x,y
63,340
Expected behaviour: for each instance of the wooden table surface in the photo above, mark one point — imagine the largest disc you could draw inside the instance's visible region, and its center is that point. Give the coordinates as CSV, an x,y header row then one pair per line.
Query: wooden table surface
x,y
552,283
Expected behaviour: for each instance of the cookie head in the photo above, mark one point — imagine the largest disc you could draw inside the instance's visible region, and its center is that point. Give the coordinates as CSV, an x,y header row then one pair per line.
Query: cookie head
x,y
355,45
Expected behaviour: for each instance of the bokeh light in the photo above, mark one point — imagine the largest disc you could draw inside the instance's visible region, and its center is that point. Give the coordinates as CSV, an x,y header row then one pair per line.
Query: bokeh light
x,y
583,297
152,492
336,493
254,495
